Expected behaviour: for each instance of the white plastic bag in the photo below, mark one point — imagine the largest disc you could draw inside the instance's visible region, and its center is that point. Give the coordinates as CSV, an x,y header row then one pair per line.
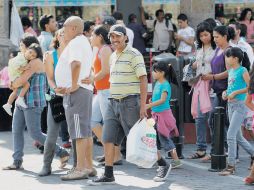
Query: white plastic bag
x,y
141,144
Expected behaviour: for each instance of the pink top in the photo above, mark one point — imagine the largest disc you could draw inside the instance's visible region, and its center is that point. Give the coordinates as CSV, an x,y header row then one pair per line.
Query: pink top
x,y
250,30
4,77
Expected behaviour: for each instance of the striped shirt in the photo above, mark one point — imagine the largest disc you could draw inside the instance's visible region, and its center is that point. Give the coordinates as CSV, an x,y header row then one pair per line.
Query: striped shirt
x,y
35,97
125,70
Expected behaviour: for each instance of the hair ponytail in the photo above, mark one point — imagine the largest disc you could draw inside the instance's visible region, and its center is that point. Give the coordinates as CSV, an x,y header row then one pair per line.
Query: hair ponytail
x,y
171,75
169,71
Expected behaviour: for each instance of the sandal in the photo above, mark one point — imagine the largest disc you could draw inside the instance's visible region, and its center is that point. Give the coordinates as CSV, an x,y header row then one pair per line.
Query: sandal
x,y
197,155
230,170
63,161
206,158
13,167
249,181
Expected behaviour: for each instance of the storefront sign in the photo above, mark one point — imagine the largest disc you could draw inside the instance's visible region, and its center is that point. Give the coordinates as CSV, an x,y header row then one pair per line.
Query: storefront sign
x,y
47,3
233,1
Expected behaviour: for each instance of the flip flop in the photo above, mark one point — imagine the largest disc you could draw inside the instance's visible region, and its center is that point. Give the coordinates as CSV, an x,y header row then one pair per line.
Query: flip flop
x,y
249,181
13,167
196,155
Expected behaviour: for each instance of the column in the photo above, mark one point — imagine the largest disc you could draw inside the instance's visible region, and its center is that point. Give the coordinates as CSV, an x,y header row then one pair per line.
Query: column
x,y
197,10
128,7
5,43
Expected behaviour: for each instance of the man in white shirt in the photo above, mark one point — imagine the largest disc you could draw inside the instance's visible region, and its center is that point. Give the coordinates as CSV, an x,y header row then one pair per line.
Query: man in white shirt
x,y
74,65
163,32
239,42
119,20
185,36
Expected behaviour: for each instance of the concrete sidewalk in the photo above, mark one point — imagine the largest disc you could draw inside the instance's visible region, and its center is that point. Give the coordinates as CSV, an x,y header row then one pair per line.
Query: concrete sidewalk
x,y
192,175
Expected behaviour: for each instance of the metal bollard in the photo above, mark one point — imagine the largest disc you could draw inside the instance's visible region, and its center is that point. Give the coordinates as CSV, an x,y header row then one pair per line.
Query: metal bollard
x,y
218,158
178,141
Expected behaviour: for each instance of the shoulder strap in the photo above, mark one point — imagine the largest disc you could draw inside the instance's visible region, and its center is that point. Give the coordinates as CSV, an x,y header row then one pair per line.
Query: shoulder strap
x,y
55,58
154,23
167,23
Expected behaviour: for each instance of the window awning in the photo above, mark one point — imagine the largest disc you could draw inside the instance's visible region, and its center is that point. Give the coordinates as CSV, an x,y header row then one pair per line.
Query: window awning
x,y
233,1
47,3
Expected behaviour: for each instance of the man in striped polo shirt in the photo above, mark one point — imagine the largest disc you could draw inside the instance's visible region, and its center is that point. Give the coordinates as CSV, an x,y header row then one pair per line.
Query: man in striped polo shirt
x,y
128,87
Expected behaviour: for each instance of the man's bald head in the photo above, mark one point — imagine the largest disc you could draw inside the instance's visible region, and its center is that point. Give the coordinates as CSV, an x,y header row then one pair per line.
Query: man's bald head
x,y
73,26
77,22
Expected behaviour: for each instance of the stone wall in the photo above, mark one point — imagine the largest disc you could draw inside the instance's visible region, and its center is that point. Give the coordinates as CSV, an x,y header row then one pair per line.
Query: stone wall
x,y
197,10
5,43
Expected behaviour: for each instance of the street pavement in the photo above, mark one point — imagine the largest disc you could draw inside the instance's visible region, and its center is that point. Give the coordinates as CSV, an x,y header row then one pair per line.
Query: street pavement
x,y
193,175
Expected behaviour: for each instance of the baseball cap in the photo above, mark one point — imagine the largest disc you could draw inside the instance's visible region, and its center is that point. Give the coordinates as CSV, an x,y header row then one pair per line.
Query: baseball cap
x,y
117,29
109,20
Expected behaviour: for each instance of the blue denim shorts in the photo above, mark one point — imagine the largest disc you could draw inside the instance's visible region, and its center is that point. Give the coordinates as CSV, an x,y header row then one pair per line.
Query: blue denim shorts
x,y
166,143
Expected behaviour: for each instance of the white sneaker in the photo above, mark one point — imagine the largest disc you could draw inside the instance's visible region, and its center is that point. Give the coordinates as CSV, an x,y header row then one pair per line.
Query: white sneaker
x,y
21,102
7,107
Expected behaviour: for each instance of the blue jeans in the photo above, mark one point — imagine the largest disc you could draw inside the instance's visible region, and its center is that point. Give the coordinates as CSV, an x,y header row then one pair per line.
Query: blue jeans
x,y
50,146
64,132
236,112
201,122
99,107
30,118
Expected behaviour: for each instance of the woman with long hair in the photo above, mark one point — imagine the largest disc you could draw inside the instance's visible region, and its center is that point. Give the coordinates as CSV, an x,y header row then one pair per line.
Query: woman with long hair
x,y
247,19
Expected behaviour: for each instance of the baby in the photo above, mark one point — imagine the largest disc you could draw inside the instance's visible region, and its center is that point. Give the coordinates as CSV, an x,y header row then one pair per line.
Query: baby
x,y
16,67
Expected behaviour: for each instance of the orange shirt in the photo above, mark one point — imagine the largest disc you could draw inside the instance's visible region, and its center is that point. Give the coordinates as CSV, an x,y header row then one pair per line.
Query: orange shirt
x,y
103,83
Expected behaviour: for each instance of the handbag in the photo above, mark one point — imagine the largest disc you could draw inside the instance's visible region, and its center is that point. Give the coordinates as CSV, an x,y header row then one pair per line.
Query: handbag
x,y
188,72
57,109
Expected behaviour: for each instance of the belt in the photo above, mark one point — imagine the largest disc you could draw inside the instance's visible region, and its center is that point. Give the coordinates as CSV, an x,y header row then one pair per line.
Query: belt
x,y
123,99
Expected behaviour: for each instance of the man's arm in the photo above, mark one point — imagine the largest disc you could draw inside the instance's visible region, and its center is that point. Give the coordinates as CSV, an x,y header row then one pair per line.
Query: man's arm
x,y
143,96
75,71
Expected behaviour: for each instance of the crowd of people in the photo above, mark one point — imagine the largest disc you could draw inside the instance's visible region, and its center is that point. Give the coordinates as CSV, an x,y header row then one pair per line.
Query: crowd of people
x,y
64,66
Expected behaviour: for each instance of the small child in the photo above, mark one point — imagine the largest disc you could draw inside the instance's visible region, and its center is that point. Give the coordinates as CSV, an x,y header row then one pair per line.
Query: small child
x,y
184,36
161,112
16,67
238,81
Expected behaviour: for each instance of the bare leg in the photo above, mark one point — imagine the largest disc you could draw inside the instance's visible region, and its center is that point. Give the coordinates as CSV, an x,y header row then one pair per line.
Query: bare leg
x,y
24,89
174,154
88,153
81,153
12,96
117,153
109,154
252,172
97,130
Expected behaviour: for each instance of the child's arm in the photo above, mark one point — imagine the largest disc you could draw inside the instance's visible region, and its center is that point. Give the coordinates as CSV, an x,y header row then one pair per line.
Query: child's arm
x,y
158,102
24,68
246,78
249,102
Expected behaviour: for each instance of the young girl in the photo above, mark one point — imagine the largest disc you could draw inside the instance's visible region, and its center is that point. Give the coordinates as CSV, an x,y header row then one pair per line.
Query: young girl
x,y
161,112
201,103
15,68
238,81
